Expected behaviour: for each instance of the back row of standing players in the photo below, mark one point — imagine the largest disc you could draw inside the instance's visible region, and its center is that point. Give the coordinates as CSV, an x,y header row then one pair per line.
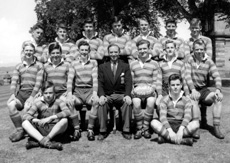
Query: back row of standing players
x,y
78,62
120,37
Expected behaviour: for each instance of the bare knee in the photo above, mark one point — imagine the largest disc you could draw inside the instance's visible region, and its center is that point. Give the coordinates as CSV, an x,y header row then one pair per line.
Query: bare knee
x,y
25,124
95,104
150,101
155,124
136,103
63,122
12,107
194,125
210,99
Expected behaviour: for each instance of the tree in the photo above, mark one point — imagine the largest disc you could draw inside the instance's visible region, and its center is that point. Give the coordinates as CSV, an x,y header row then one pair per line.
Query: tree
x,y
188,9
74,12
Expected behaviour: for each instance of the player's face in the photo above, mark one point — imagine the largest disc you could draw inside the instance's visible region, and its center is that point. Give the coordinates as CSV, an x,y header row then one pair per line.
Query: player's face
x,y
175,86
37,34
117,27
171,27
62,34
114,53
29,51
55,55
195,30
144,26
49,94
199,51
170,49
88,27
84,51
143,50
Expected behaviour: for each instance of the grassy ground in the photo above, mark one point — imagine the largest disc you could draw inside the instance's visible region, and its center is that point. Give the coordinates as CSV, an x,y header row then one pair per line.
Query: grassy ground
x,y
115,148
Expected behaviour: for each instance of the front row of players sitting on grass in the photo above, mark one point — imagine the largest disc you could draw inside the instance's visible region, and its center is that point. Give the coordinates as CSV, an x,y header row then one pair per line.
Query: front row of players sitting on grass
x,y
81,83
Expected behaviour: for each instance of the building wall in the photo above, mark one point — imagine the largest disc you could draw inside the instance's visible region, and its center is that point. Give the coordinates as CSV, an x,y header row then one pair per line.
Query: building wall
x,y
222,47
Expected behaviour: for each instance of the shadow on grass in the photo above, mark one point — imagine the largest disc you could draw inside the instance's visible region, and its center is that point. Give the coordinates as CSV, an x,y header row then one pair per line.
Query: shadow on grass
x,y
209,128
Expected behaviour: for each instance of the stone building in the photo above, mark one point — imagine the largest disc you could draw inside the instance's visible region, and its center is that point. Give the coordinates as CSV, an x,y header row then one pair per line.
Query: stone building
x,y
221,45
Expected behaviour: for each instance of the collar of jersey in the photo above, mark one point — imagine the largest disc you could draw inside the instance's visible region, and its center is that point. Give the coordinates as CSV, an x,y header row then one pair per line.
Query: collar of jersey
x,y
94,36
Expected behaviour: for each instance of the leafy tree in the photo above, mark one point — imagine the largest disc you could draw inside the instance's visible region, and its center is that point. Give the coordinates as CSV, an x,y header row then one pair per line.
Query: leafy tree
x,y
188,9
74,12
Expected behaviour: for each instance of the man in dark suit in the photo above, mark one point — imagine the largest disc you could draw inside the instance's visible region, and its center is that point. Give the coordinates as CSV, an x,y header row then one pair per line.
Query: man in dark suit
x,y
114,89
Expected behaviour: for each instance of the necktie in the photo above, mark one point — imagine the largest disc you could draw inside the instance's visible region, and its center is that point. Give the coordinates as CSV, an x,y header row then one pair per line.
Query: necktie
x,y
114,69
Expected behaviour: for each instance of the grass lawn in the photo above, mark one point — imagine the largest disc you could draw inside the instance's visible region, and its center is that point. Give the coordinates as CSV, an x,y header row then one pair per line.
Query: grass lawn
x,y
115,148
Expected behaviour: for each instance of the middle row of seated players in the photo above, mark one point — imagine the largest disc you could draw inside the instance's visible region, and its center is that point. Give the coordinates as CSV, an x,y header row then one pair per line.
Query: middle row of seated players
x,y
115,86
120,37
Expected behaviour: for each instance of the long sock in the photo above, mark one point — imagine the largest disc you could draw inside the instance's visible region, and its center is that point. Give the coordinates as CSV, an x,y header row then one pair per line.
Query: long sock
x,y
164,133
17,120
91,121
203,110
75,121
195,118
147,118
216,121
186,132
139,120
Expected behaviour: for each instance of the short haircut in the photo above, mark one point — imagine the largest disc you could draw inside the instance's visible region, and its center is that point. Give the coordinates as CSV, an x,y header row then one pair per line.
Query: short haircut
x,y
145,19
117,19
46,85
89,21
63,26
36,26
169,41
111,45
170,20
27,43
54,45
195,21
174,77
141,42
83,43
199,41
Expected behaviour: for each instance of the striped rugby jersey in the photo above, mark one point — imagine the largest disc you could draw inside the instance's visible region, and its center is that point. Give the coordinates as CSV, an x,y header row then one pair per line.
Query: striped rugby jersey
x,y
57,74
175,110
28,77
85,74
175,67
208,43
131,47
145,73
112,38
96,45
179,45
40,109
66,47
39,53
199,73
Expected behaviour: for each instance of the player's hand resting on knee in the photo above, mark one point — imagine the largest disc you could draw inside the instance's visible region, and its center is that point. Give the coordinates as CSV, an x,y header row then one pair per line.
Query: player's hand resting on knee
x,y
195,95
69,100
127,100
102,100
172,135
179,135
219,95
46,120
158,100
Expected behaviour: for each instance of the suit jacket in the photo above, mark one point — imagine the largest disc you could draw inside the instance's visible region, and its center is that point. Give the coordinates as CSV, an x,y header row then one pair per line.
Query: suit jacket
x,y
121,84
